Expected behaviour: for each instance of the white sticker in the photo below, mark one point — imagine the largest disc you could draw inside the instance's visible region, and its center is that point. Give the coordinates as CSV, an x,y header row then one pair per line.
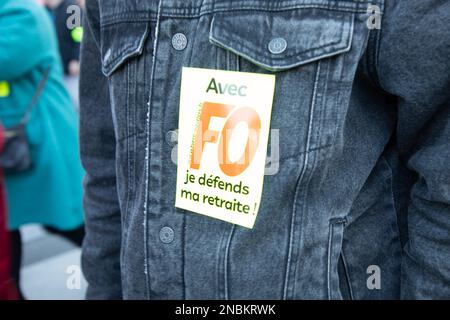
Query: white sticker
x,y
222,143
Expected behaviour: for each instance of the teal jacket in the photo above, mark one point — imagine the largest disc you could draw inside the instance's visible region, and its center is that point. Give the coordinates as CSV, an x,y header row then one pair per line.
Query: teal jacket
x,y
51,192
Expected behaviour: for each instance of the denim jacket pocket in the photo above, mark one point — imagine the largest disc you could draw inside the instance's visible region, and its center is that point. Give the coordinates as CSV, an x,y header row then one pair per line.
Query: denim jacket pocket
x,y
283,40
336,233
123,48
307,48
120,42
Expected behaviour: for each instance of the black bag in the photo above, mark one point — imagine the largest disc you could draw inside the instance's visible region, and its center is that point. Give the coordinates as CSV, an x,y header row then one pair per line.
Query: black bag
x,y
16,156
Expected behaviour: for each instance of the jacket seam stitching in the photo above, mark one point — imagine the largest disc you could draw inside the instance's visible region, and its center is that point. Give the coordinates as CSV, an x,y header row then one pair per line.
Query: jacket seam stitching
x,y
314,157
302,174
347,274
143,16
255,8
147,158
227,252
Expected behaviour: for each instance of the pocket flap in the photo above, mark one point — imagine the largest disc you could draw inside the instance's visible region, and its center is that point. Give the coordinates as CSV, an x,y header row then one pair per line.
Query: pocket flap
x,y
119,42
281,40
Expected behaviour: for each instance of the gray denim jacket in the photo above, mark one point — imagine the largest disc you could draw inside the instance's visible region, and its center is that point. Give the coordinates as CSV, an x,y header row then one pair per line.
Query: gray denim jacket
x,y
359,205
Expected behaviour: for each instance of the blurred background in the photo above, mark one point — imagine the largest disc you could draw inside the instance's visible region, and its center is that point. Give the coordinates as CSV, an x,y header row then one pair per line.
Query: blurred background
x,y
41,216
48,264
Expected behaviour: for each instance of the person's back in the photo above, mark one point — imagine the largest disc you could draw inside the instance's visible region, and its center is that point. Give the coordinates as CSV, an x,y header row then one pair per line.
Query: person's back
x,y
50,192
360,121
69,37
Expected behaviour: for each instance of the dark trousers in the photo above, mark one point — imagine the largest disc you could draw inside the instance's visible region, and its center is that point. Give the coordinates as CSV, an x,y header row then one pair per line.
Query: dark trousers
x,y
75,236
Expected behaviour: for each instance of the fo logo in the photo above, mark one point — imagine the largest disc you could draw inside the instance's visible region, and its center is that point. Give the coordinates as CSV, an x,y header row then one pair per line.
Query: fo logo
x,y
205,135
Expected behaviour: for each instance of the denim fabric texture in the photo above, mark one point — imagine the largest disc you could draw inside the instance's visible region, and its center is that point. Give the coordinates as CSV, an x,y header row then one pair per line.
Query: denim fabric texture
x,y
363,181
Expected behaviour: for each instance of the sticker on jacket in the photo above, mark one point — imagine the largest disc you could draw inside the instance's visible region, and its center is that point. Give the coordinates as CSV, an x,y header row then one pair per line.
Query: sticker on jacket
x,y
224,125
4,89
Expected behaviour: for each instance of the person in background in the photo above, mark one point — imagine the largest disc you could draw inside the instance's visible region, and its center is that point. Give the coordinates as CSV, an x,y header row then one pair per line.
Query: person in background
x,y
50,193
69,40
8,291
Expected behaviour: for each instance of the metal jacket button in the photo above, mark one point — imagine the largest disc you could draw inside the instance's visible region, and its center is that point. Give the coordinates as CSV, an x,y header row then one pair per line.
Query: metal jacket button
x,y
172,137
277,45
166,235
179,41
